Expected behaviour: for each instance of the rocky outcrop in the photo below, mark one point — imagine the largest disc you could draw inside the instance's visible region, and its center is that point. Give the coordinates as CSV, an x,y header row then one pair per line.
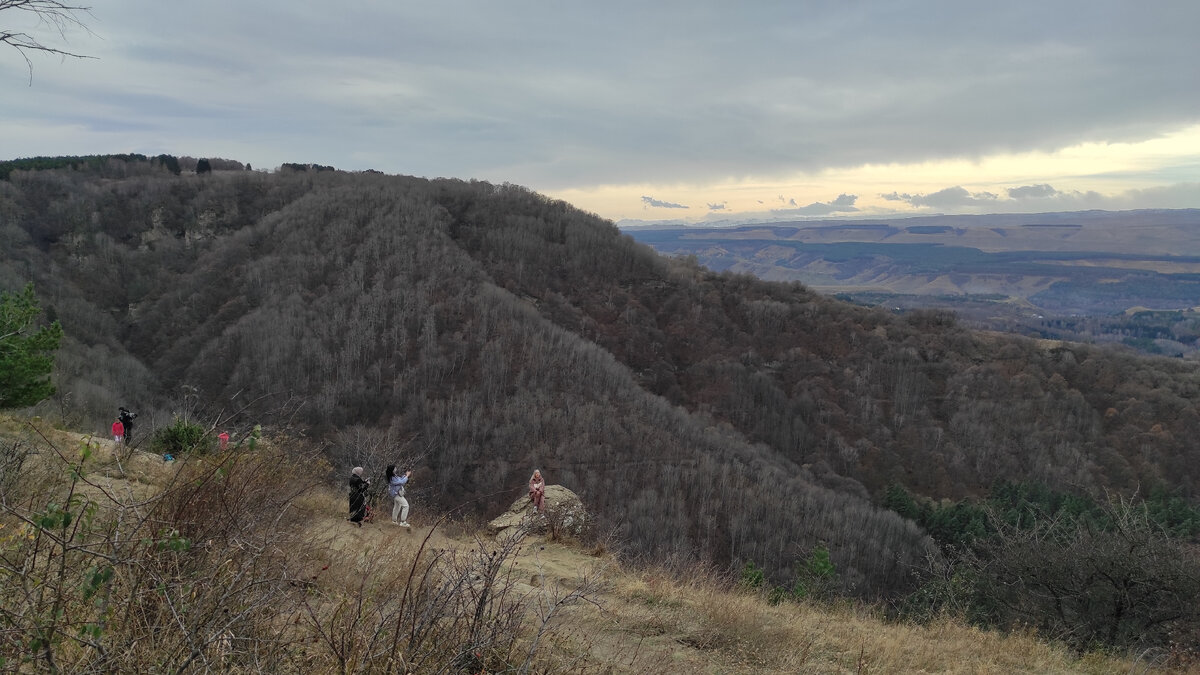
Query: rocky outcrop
x,y
564,514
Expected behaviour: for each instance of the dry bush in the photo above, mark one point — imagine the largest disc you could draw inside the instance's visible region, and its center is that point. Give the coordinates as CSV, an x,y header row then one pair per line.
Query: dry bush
x,y
699,607
220,501
1117,580
13,457
461,524
215,571
321,501
731,630
457,610
97,578
223,570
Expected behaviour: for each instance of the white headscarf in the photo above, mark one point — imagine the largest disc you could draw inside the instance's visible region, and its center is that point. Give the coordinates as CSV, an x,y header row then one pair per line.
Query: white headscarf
x,y
358,471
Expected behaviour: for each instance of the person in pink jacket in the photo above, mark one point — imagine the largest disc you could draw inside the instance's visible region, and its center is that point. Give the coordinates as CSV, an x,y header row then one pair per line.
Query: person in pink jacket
x,y
537,490
118,430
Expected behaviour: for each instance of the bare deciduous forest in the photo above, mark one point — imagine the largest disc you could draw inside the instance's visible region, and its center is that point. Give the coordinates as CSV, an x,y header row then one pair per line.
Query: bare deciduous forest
x,y
488,330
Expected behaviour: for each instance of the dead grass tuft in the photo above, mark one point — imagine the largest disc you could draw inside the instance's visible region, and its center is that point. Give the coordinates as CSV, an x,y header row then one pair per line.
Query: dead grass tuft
x,y
698,617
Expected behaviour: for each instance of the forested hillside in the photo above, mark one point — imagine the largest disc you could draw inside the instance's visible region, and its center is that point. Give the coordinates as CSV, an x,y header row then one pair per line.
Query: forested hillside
x,y
487,330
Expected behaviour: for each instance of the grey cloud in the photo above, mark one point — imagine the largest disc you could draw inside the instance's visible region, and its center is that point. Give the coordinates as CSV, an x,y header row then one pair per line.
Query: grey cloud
x,y
716,207
1046,198
951,197
1032,191
843,204
958,197
1175,196
559,96
659,204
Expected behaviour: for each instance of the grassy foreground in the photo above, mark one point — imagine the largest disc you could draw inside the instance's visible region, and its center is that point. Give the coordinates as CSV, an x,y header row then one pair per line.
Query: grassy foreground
x,y
244,562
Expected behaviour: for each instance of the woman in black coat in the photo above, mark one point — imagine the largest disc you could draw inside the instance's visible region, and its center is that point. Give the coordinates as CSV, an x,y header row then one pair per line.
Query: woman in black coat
x,y
358,496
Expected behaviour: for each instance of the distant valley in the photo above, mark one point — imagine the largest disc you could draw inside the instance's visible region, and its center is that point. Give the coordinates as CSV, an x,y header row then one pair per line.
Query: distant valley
x,y
1096,276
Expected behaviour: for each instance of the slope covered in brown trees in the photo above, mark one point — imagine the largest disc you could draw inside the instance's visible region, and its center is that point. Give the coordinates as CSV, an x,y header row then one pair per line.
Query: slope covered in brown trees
x,y
486,330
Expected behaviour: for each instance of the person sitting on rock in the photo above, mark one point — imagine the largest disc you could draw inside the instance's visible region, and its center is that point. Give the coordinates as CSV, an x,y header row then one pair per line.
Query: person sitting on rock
x,y
537,490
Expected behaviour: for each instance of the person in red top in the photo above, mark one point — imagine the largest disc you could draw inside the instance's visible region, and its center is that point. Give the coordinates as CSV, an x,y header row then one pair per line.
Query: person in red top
x,y
118,430
223,437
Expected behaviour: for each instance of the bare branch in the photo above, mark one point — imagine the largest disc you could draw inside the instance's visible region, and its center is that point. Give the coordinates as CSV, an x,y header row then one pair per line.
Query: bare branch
x,y
59,16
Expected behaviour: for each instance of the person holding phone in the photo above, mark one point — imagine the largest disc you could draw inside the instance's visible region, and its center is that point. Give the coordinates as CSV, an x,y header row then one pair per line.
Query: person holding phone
x,y
396,485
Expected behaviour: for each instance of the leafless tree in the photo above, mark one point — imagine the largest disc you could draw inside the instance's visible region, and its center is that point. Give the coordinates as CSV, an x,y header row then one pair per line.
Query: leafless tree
x,y
59,16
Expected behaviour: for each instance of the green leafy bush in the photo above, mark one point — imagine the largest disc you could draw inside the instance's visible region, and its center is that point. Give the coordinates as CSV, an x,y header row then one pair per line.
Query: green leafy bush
x,y
816,576
752,576
181,436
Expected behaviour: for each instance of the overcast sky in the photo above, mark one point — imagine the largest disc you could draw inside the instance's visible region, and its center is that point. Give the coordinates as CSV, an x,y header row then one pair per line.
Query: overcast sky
x,y
649,110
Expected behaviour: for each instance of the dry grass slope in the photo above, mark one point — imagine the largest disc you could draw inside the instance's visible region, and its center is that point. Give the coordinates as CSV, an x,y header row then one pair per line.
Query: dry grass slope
x,y
325,596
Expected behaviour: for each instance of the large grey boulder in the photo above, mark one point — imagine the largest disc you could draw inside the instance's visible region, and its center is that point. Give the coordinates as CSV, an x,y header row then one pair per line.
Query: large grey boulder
x,y
564,514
